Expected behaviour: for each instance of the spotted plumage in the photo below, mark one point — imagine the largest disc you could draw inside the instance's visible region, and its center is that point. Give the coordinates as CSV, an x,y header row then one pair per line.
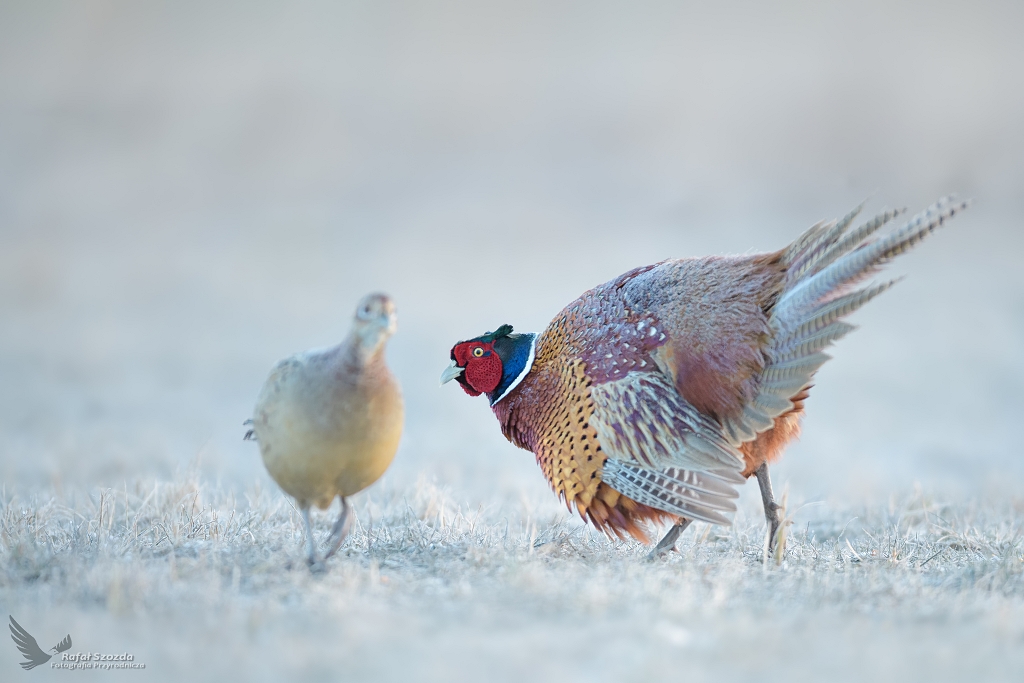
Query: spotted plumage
x,y
652,396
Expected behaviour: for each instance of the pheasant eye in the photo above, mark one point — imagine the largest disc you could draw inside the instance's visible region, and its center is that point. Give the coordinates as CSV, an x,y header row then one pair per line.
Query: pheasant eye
x,y
478,352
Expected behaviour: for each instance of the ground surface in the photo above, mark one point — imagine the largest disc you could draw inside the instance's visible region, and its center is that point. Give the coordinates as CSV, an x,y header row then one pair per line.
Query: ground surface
x,y
193,582
191,191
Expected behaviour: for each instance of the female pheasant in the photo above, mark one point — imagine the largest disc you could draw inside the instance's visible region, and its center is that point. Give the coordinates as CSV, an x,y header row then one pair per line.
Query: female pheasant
x,y
651,397
328,421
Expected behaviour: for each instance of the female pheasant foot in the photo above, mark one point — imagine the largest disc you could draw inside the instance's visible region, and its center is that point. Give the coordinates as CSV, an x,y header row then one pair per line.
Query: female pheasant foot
x,y
340,529
669,542
771,508
311,558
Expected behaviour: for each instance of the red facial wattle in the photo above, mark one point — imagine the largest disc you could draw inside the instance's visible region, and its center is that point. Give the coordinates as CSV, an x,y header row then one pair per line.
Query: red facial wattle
x,y
482,367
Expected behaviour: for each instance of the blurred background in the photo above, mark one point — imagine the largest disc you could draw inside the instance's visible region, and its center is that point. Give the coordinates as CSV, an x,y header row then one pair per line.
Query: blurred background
x,y
191,191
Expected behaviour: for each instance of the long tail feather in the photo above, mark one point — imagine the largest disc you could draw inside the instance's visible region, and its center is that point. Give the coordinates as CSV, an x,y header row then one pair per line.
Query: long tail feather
x,y
813,246
862,261
823,266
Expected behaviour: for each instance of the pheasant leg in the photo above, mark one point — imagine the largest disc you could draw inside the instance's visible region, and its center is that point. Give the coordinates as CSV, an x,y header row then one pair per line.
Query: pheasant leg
x,y
669,541
311,559
771,508
340,529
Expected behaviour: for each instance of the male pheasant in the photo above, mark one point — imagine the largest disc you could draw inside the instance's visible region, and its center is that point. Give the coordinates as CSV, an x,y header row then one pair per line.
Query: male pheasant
x,y
328,421
652,396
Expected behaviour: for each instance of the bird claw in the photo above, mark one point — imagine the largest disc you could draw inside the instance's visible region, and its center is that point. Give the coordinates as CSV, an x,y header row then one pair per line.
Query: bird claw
x,y
659,551
668,543
339,531
250,435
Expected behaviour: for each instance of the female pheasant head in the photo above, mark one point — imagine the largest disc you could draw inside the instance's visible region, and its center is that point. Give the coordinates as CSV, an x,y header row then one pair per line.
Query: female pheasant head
x,y
493,363
374,322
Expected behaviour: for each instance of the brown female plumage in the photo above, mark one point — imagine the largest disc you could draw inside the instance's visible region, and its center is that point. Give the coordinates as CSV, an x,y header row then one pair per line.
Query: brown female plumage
x,y
651,397
328,421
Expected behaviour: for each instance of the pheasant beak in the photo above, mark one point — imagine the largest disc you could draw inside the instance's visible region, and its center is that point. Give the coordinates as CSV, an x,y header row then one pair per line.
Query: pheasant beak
x,y
450,373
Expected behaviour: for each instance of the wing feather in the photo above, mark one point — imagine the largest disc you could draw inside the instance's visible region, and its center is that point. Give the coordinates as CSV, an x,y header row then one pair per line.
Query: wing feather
x,y
664,452
643,418
694,495
27,645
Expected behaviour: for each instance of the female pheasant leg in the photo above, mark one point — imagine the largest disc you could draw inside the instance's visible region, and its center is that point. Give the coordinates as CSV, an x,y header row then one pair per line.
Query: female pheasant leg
x,y
340,529
310,543
771,508
669,542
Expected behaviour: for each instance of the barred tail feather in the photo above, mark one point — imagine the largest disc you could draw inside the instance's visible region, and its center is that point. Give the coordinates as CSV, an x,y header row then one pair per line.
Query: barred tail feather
x,y
862,261
855,238
815,243
823,265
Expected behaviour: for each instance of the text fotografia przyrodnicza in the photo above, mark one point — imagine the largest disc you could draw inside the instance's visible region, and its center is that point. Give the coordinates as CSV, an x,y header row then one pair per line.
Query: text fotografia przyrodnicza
x,y
97,660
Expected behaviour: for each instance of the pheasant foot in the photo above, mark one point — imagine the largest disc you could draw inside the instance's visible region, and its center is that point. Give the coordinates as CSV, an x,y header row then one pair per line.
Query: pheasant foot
x,y
771,508
668,543
311,558
340,529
